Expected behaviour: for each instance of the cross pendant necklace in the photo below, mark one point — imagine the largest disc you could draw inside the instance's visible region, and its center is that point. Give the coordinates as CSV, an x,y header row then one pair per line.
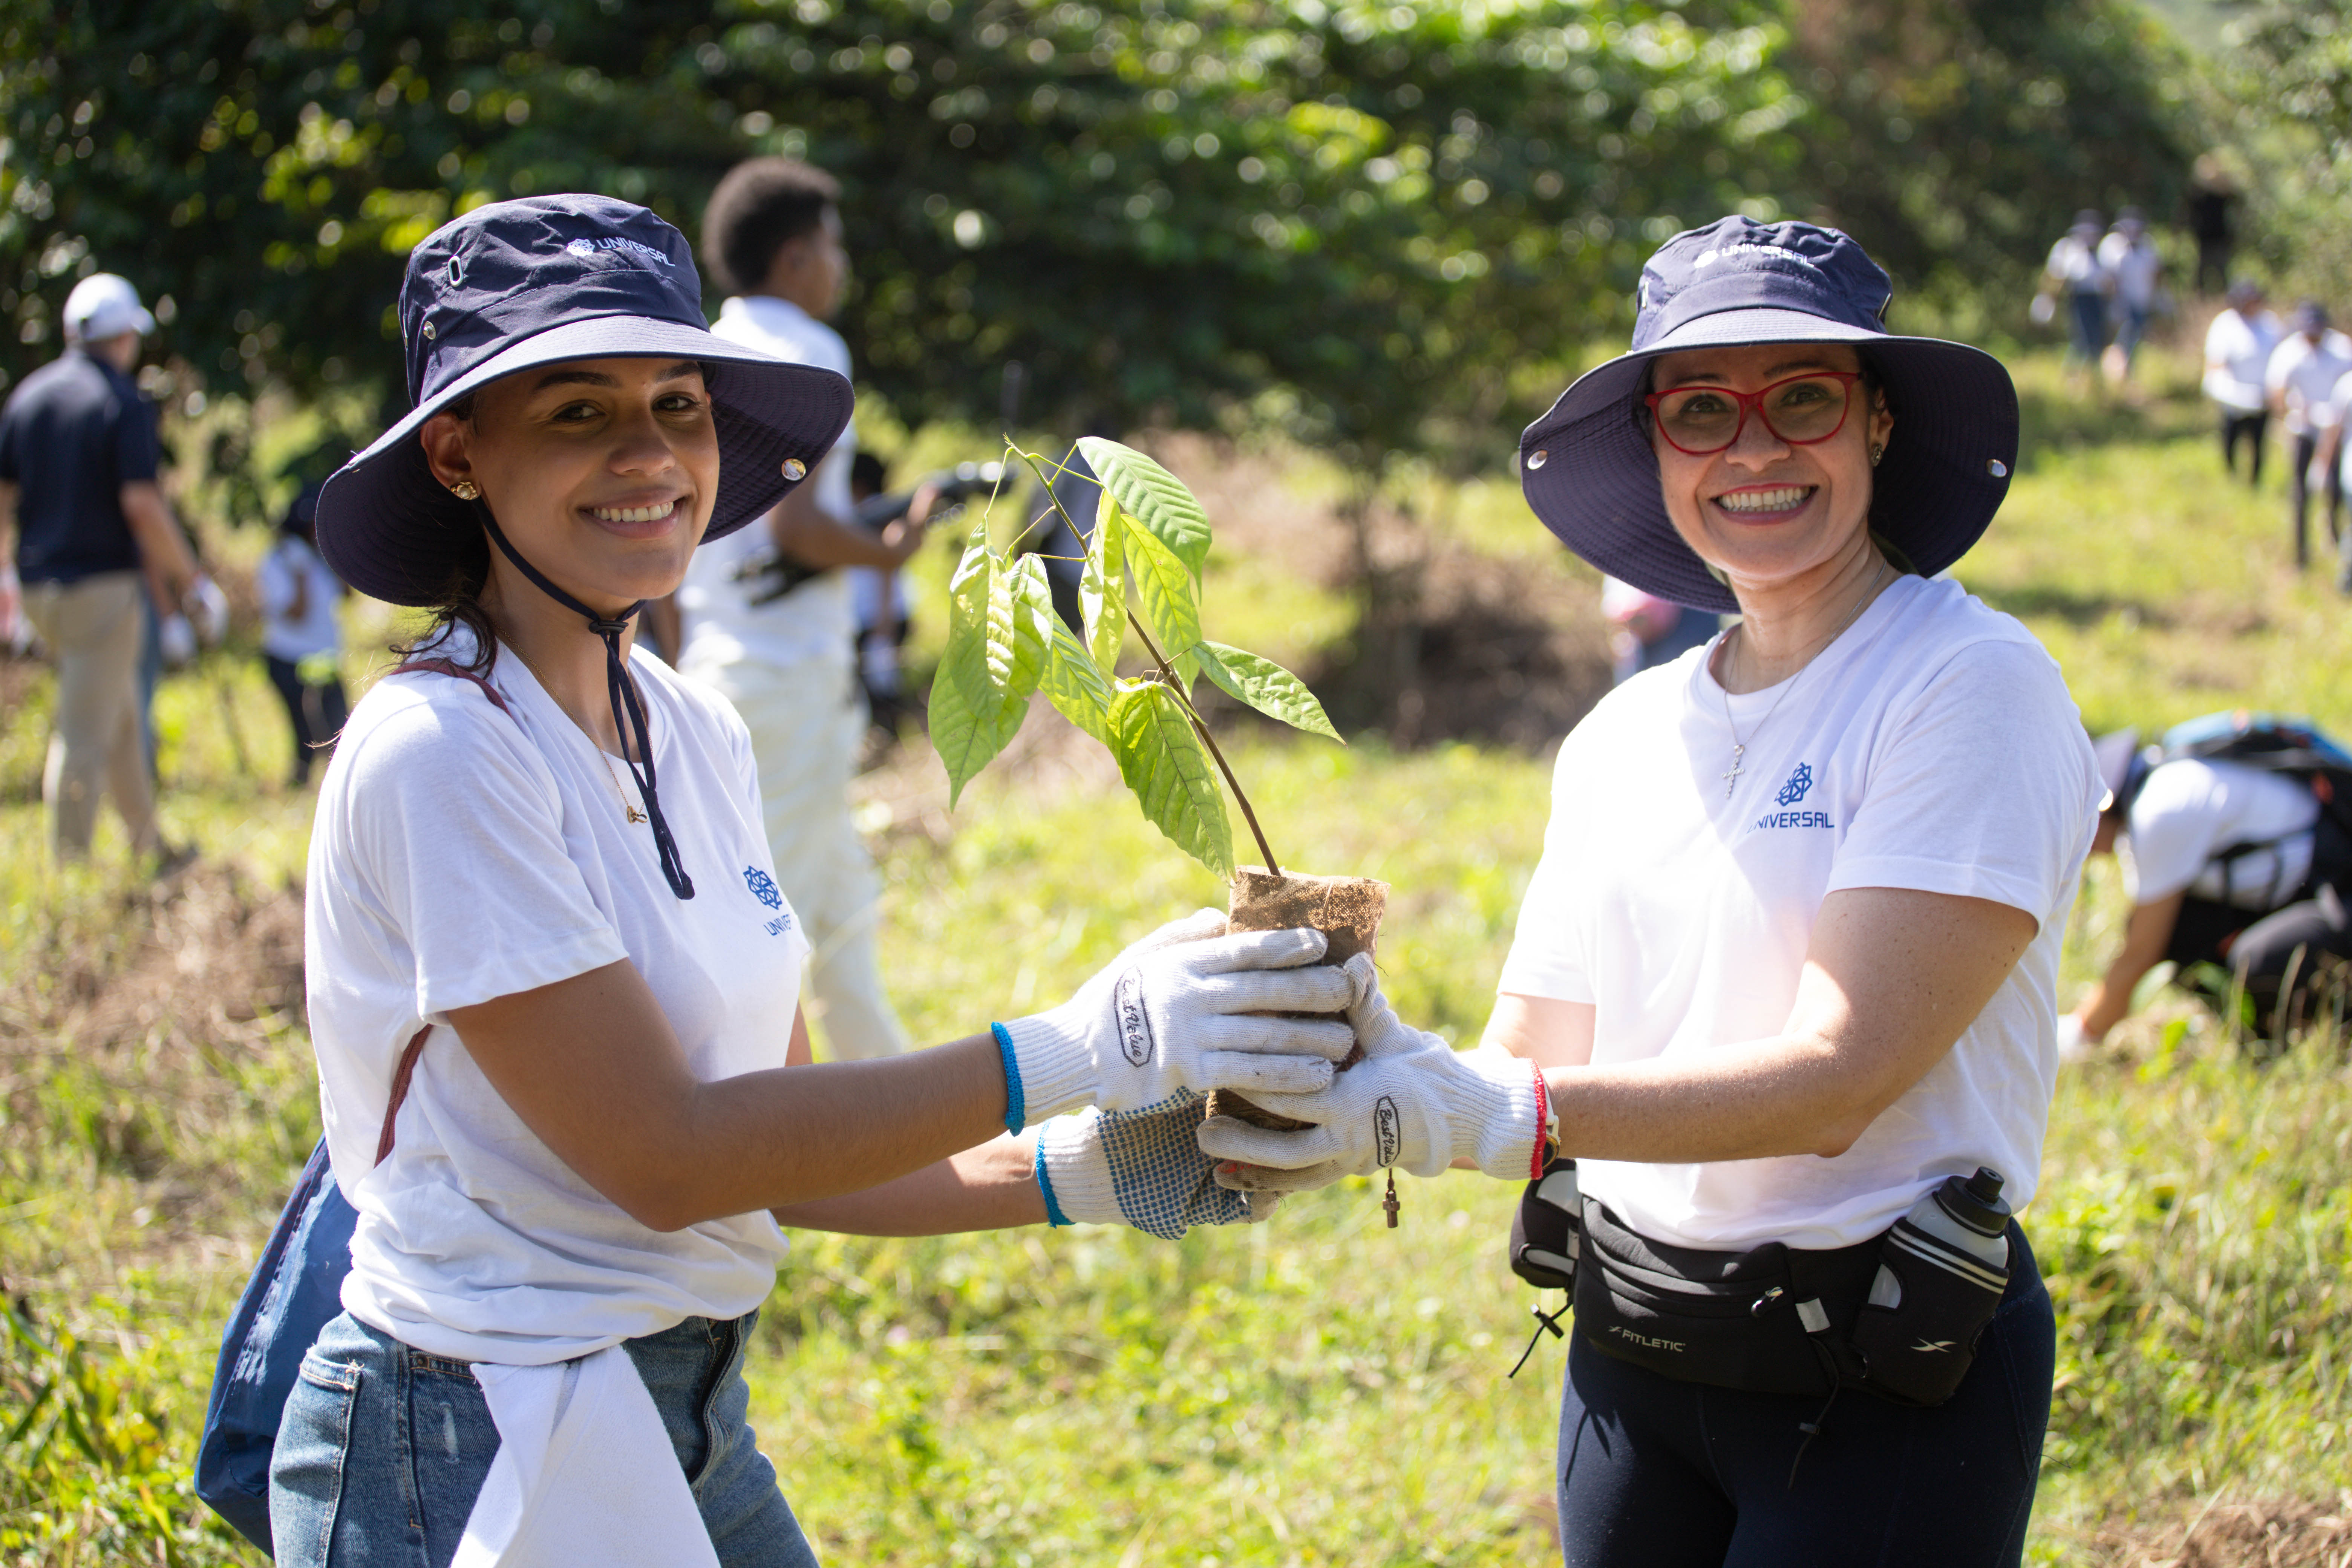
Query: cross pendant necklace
x,y
1731,779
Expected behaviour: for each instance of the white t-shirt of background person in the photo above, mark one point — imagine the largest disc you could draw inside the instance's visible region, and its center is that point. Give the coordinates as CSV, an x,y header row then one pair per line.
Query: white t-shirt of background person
x,y
291,567
1933,746
2135,266
2237,352
2190,810
815,620
461,856
2076,263
2306,378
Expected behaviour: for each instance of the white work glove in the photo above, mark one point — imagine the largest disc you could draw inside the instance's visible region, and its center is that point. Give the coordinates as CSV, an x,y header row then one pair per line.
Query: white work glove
x,y
208,610
175,640
1185,1008
1139,1168
1413,1103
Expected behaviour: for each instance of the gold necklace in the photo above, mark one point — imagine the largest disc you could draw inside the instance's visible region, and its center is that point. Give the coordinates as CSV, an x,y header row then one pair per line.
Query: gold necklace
x,y
634,814
1731,778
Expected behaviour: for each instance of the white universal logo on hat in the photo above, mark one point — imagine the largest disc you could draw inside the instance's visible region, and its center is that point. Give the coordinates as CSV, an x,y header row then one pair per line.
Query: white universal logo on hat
x,y
103,306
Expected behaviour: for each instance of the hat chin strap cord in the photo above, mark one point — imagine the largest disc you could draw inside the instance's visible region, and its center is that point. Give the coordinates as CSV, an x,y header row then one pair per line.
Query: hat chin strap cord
x,y
629,713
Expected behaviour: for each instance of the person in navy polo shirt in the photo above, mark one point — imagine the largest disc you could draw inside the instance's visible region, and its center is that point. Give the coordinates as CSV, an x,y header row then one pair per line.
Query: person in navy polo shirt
x,y
77,463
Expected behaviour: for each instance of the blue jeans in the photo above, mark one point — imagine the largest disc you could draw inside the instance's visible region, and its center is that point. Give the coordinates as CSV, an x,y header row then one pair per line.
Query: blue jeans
x,y
1658,1473
382,1449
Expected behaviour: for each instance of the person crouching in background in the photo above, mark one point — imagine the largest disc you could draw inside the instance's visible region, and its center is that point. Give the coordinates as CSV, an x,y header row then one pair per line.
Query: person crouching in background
x,y
301,640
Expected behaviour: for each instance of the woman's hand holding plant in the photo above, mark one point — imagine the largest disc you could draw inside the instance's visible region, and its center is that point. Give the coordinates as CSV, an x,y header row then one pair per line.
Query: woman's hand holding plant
x,y
1183,1010
1413,1103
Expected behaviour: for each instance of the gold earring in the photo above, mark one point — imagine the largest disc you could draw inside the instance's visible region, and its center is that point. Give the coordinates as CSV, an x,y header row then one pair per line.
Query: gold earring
x,y
467,489
1877,452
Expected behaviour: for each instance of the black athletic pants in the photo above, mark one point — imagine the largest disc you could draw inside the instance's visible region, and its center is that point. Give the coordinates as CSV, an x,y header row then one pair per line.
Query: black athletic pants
x,y
2298,937
2298,499
317,712
1655,1473
2237,425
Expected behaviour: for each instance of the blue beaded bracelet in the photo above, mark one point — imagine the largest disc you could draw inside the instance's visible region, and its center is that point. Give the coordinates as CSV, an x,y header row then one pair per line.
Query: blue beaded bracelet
x,y
1016,1109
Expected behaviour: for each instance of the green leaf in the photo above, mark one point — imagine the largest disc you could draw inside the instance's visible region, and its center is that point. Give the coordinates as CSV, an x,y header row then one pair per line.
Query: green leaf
x,y
966,656
1162,760
1102,587
969,716
1075,687
1020,604
1169,595
1154,498
1265,686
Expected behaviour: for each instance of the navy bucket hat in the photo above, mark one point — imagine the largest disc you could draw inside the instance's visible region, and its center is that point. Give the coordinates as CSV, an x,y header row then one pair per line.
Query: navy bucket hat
x,y
1590,473
515,285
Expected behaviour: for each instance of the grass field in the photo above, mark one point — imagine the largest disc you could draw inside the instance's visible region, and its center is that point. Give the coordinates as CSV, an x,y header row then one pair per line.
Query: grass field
x,y
1316,1391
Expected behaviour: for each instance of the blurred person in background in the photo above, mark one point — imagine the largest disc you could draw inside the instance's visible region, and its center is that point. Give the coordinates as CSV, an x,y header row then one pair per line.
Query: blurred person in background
x,y
78,460
1787,971
878,599
1646,631
2238,348
301,635
2135,275
772,236
2212,221
2300,381
2226,862
2075,276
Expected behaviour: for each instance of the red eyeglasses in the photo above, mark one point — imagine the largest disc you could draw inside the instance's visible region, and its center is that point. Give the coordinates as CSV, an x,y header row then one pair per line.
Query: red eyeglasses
x,y
1802,410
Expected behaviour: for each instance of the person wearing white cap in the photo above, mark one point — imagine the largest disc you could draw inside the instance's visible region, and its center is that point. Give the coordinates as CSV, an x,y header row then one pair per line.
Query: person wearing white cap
x,y
77,496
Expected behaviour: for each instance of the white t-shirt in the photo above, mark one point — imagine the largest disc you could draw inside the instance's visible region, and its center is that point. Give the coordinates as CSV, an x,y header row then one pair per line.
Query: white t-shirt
x,y
815,620
291,566
2237,352
2190,810
2308,377
458,856
1933,746
2135,266
2077,262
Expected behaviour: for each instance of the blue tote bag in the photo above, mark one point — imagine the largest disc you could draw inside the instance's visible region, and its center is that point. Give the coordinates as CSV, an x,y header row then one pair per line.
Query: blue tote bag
x,y
296,1290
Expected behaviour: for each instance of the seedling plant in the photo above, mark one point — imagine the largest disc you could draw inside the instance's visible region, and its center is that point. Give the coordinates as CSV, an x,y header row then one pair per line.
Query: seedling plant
x,y
1141,573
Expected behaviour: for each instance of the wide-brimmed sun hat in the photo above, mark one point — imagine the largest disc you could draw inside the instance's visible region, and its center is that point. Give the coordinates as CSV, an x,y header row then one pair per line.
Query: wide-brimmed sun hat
x,y
515,285
1588,468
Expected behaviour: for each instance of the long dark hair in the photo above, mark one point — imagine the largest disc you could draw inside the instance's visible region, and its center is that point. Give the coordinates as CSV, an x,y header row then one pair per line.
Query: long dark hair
x,y
459,601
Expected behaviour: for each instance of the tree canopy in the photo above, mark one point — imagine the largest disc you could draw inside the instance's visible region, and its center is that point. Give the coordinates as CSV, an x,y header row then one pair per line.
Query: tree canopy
x,y
1374,212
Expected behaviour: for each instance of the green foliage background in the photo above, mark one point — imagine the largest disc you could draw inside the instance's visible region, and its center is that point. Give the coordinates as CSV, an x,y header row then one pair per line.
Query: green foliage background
x,y
1362,220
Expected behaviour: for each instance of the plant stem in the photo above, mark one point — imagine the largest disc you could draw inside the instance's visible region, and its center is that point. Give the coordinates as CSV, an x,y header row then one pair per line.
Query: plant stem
x,y
1168,673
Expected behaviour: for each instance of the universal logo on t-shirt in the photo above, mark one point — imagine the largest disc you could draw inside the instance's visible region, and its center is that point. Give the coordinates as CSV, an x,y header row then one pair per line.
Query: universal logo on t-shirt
x,y
763,887
1800,783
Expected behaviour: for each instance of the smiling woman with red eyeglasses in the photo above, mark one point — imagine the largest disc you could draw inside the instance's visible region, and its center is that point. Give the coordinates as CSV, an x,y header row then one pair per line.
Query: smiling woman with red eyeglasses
x,y
1787,971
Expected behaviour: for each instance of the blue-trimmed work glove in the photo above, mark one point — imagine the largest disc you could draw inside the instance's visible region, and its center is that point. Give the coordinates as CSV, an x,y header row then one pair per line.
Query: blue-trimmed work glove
x,y
1186,1009
1139,1168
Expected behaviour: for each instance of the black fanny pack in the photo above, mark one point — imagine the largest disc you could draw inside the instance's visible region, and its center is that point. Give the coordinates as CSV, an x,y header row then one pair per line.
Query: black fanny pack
x,y
1773,1320
1897,1316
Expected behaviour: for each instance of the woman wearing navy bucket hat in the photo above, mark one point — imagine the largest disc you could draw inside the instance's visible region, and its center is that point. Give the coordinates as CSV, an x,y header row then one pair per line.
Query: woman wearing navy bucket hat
x,y
553,986
1788,965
